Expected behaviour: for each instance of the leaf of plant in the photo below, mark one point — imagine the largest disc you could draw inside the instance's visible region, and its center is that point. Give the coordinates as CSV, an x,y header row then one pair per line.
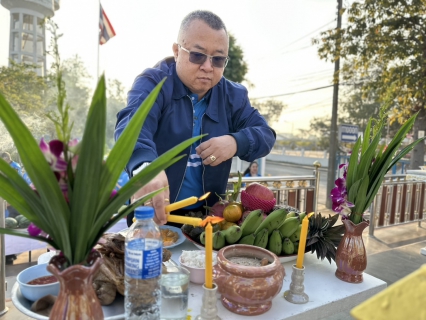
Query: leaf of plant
x,y
123,148
353,163
142,178
86,196
55,207
367,157
366,141
353,191
360,200
24,234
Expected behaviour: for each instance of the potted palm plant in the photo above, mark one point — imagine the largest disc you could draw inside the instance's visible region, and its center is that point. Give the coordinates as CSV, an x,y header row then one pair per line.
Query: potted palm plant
x,y
71,202
356,189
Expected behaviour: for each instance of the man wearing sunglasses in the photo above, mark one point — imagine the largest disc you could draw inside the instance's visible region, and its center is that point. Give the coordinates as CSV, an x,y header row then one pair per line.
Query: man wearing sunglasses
x,y
195,99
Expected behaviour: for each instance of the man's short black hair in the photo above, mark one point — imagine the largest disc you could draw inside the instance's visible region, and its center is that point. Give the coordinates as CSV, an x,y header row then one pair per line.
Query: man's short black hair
x,y
211,19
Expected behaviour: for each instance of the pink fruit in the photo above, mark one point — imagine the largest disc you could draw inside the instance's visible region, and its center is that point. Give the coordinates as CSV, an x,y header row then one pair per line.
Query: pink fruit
x,y
218,207
257,196
259,191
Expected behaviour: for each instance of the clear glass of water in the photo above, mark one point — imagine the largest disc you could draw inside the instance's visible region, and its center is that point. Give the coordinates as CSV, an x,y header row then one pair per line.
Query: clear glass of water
x,y
174,293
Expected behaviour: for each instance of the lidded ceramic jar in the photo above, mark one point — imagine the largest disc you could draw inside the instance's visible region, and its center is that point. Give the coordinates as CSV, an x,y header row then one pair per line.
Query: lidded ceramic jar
x,y
247,290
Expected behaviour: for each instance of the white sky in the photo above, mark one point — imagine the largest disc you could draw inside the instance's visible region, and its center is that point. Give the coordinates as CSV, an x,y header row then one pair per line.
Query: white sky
x,y
275,36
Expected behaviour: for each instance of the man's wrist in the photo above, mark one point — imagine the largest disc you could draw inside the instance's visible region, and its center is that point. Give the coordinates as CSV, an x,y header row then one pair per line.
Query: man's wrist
x,y
140,168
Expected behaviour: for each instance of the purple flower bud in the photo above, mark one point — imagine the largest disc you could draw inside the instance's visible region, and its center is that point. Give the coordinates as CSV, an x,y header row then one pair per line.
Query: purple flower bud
x,y
33,230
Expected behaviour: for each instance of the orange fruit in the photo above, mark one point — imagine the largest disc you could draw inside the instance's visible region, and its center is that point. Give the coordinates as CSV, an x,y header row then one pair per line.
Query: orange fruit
x,y
232,213
226,224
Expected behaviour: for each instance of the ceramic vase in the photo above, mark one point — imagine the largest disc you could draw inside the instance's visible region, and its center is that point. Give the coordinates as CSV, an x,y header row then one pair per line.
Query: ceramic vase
x,y
247,290
77,299
351,258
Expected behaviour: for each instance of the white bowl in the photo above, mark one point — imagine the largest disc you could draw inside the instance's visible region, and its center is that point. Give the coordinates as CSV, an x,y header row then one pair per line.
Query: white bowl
x,y
197,275
35,292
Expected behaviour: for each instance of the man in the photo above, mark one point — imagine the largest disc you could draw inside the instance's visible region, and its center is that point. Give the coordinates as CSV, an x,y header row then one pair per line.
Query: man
x,y
195,99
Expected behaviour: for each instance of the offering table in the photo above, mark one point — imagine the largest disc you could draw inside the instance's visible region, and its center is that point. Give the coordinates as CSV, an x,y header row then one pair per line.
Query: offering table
x,y
327,294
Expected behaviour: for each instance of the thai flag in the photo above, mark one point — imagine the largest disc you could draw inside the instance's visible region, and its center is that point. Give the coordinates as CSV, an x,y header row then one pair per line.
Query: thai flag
x,y
106,30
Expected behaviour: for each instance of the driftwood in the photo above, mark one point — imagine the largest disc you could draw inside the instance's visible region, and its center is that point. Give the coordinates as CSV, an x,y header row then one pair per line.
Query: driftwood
x,y
110,278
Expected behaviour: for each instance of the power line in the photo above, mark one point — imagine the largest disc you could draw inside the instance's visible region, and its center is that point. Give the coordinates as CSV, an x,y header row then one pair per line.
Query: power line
x,y
291,93
310,33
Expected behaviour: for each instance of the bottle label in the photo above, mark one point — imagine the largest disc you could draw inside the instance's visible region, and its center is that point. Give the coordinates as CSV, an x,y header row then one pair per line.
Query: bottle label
x,y
143,259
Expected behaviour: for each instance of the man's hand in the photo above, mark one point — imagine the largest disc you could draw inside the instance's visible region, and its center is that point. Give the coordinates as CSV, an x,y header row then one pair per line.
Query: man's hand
x,y
217,150
159,201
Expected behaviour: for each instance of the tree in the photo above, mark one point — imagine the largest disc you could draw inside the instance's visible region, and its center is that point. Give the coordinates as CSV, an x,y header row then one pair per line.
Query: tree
x,y
236,69
271,110
76,78
22,87
386,40
27,94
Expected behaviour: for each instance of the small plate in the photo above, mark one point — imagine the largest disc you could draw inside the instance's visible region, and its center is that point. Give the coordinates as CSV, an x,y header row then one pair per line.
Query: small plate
x,y
174,229
282,259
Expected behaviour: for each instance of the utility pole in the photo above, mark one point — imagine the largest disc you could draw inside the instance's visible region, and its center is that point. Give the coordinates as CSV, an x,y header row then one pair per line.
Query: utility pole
x,y
331,174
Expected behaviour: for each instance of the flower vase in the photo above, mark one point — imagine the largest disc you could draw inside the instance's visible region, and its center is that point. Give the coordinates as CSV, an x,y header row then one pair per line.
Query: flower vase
x,y
351,258
77,299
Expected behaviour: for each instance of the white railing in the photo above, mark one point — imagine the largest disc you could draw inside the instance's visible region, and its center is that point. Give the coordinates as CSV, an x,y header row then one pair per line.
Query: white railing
x,y
300,192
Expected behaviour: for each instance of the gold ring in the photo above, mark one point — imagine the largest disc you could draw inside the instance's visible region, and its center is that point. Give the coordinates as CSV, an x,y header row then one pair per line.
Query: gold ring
x,y
212,158
147,203
165,199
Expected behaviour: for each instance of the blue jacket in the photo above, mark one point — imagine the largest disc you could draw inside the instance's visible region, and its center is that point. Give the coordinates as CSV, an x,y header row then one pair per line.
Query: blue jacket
x,y
171,118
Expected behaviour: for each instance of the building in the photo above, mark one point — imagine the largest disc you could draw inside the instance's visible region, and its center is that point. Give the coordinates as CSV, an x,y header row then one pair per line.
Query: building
x,y
27,42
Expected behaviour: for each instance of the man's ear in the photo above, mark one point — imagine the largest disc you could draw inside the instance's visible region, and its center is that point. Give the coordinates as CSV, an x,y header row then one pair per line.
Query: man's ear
x,y
175,49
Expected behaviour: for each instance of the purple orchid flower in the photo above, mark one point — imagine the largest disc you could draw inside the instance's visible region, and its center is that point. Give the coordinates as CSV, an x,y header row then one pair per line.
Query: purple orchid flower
x,y
33,230
52,152
339,197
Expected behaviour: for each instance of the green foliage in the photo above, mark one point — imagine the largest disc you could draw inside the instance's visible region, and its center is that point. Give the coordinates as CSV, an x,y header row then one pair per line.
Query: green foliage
x,y
384,41
369,163
271,110
75,227
23,87
236,69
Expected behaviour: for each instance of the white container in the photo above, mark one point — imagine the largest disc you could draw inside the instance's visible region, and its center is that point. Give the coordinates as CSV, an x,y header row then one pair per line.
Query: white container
x,y
35,292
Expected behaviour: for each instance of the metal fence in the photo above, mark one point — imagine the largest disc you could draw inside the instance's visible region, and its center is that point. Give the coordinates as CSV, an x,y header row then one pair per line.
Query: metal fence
x,y
398,201
300,192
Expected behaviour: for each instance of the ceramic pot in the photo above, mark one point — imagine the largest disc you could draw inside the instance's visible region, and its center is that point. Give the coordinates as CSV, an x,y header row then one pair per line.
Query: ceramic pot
x,y
247,290
351,258
77,298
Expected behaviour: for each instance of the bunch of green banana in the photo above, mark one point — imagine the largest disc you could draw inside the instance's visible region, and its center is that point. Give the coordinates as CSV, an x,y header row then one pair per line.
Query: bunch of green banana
x,y
279,232
273,221
251,222
232,234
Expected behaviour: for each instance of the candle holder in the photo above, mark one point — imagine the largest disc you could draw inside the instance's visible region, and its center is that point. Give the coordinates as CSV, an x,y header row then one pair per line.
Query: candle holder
x,y
296,293
208,307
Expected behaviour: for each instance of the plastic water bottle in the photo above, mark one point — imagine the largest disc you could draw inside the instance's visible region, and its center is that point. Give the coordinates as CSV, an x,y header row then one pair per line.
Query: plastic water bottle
x,y
143,265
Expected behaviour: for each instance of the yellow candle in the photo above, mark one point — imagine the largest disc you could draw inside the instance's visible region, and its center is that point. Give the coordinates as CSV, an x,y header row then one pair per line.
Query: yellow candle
x,y
181,204
184,220
209,257
302,243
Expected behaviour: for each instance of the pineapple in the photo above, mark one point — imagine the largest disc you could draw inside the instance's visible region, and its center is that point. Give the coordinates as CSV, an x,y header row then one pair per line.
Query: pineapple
x,y
323,237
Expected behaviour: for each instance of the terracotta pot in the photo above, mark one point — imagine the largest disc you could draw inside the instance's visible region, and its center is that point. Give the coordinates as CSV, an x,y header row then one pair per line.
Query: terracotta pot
x,y
77,298
247,290
351,258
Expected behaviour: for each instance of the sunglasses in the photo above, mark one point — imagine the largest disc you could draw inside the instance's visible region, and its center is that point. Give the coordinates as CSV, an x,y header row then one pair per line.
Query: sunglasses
x,y
200,58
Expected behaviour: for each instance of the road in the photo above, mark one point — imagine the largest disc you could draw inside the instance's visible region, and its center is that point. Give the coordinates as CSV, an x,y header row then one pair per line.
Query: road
x,y
287,169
